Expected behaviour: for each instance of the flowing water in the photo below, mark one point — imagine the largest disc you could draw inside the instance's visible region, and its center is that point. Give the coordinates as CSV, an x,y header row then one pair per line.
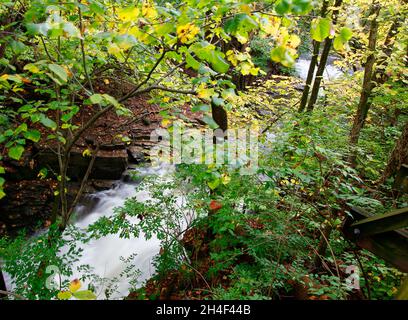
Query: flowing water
x,y
105,255
331,72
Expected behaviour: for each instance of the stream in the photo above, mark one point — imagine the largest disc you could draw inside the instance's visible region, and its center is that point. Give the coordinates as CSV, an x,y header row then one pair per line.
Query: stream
x,y
331,72
105,255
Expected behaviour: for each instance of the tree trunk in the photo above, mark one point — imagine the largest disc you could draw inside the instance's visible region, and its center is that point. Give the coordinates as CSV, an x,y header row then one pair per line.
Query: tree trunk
x,y
363,106
398,156
322,248
220,116
323,60
312,66
310,75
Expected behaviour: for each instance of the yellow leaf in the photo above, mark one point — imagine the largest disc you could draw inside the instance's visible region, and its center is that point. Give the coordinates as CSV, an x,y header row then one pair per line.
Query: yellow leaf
x,y
64,295
113,49
232,57
245,8
128,14
165,122
294,41
225,179
32,68
254,71
242,39
187,32
75,285
245,68
86,153
148,10
205,93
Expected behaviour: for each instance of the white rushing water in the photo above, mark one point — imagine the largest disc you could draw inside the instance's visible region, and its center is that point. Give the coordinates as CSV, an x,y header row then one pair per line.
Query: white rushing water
x,y
331,72
104,254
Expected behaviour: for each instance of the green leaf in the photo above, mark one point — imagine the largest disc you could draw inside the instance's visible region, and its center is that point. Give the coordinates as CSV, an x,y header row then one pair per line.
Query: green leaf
x,y
96,98
32,68
111,100
240,25
338,44
67,116
97,8
280,54
17,46
301,6
241,22
33,135
47,122
283,7
228,94
21,128
201,107
16,152
210,121
2,194
346,34
42,174
84,295
59,72
191,62
2,181
320,29
218,101
340,40
218,63
214,183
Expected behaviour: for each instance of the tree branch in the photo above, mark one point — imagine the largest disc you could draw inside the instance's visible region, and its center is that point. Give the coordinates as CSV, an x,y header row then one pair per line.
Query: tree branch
x,y
131,93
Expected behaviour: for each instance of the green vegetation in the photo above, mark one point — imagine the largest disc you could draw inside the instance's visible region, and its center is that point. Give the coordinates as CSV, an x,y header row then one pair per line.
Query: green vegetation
x,y
326,145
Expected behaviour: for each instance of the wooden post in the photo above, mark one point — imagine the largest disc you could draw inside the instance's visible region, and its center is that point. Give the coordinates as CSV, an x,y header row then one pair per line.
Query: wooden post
x,y
383,235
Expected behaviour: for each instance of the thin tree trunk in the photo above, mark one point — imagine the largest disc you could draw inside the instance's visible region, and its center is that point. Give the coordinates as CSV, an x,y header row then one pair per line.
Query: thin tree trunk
x,y
323,60
310,74
322,248
398,156
363,106
312,66
220,117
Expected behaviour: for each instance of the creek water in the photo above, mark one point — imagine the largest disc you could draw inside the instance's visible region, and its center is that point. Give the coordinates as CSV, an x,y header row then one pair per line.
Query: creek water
x,y
105,255
331,72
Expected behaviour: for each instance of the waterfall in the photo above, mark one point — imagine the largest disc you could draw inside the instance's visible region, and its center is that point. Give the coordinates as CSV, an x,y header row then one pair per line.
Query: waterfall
x,y
104,255
331,72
